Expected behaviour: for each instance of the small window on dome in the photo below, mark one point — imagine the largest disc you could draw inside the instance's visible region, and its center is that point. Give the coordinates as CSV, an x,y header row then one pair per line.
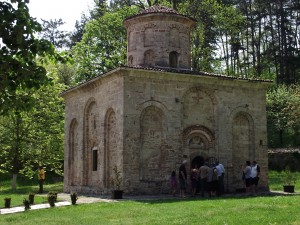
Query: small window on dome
x,y
173,59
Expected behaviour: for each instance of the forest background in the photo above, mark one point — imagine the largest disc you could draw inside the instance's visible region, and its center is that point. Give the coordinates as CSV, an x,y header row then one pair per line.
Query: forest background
x,y
254,39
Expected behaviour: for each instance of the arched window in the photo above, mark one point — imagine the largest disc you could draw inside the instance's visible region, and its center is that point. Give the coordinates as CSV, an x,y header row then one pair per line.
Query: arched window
x,y
149,58
173,59
130,60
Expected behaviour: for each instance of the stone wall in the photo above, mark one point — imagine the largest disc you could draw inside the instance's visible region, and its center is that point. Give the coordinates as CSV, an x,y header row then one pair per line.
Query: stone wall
x,y
146,122
93,138
193,116
159,40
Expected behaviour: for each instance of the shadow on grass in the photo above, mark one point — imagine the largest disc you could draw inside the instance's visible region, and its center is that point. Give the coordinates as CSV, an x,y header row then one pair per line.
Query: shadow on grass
x,y
197,198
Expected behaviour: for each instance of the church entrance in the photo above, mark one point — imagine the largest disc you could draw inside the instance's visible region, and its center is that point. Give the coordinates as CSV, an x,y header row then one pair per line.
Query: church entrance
x,y
197,162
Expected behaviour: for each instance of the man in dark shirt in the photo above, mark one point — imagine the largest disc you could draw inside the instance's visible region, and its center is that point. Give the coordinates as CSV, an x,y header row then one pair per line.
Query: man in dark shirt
x,y
182,178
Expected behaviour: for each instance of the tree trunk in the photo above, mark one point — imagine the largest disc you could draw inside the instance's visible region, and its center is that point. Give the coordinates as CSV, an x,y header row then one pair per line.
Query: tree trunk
x,y
14,182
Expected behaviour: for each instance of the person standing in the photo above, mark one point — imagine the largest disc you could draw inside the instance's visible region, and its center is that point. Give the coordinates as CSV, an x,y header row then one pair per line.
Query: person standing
x,y
194,180
255,170
247,172
173,182
221,173
41,177
182,178
212,180
203,171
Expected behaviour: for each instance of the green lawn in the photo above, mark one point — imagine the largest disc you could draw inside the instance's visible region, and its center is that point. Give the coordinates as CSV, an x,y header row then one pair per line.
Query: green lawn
x,y
233,210
251,210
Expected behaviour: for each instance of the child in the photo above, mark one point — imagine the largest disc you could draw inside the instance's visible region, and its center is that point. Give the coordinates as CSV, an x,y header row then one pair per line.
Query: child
x,y
173,182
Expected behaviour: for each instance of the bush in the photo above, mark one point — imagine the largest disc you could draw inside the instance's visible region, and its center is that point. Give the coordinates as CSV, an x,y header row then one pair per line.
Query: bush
x,y
51,199
73,198
54,193
26,203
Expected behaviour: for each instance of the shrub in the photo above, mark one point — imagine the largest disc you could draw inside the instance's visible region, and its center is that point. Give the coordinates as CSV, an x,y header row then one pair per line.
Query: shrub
x,y
73,198
51,199
26,203
54,193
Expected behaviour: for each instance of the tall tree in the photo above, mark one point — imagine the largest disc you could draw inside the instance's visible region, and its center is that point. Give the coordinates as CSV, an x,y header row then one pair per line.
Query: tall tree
x,y
77,34
51,32
19,48
103,46
283,110
30,138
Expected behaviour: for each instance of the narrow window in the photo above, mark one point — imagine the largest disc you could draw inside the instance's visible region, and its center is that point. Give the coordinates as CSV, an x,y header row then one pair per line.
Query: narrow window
x,y
130,60
173,58
95,159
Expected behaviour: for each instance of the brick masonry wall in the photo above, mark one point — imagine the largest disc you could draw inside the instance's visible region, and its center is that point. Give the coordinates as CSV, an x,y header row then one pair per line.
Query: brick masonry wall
x,y
162,118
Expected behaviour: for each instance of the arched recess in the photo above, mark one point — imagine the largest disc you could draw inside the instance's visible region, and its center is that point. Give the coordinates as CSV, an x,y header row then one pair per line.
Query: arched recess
x,y
91,139
152,153
149,58
243,148
73,159
198,141
111,146
130,60
173,59
199,108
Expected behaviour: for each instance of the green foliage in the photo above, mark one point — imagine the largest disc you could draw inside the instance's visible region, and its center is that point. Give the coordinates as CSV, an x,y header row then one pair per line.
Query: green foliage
x,y
283,111
19,71
51,199
74,198
278,178
31,138
51,32
26,204
103,46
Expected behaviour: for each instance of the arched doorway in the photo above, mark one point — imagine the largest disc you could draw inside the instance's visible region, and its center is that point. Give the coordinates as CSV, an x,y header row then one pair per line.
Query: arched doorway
x,y
197,162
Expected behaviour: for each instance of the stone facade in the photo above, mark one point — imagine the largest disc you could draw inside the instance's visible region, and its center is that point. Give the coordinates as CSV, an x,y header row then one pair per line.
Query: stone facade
x,y
146,120
159,38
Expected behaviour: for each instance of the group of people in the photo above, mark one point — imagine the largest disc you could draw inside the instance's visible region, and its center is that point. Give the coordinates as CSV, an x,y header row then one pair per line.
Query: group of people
x,y
251,176
210,179
206,179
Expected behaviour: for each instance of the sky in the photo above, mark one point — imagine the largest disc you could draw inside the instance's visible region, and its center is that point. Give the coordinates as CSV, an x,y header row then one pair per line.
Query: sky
x,y
68,10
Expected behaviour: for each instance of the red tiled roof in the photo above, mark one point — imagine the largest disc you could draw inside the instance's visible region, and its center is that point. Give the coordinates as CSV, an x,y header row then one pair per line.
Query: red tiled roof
x,y
158,9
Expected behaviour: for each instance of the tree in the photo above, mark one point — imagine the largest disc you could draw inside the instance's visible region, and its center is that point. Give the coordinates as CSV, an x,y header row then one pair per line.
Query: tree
x,y
21,77
103,46
52,33
77,34
35,137
283,111
19,48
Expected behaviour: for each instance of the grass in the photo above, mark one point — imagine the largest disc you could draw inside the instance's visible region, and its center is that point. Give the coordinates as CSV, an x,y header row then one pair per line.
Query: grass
x,y
276,180
242,210
24,187
254,210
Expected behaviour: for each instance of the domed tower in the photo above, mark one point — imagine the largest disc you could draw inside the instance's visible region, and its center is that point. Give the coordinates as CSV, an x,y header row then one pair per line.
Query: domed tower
x,y
159,37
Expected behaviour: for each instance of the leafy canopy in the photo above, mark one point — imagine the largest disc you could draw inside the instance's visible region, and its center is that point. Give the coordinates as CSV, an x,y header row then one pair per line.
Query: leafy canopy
x,y
19,48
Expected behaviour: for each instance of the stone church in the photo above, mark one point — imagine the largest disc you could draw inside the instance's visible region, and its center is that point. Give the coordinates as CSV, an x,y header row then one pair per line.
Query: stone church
x,y
150,115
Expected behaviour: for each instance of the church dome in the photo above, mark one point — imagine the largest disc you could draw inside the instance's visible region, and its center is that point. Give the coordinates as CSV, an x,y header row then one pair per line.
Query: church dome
x,y
159,37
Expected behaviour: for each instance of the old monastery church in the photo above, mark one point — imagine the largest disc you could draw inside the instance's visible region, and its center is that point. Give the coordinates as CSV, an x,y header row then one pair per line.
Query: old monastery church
x,y
148,116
